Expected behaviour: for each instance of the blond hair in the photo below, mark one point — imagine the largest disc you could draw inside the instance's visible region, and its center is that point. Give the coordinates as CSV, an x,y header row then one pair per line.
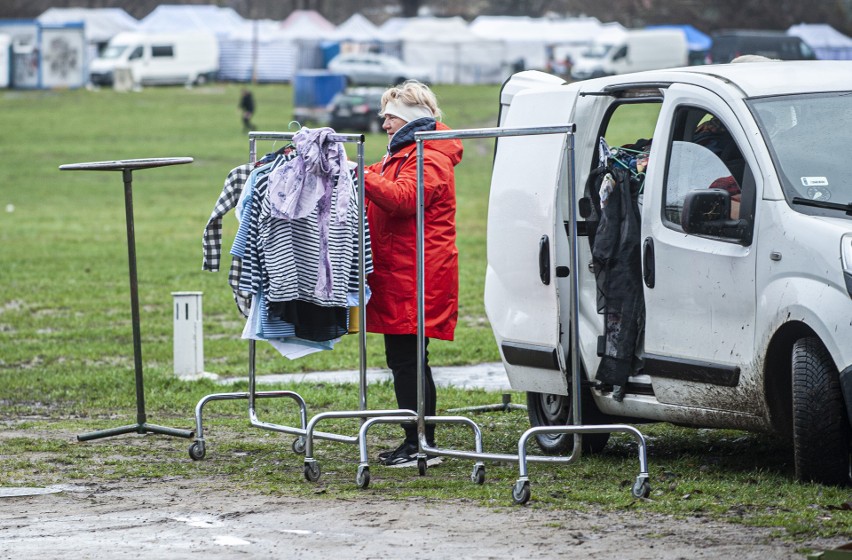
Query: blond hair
x,y
412,92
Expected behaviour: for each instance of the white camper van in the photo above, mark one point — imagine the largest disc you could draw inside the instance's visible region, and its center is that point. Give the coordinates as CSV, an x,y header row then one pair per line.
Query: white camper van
x,y
634,50
713,269
173,58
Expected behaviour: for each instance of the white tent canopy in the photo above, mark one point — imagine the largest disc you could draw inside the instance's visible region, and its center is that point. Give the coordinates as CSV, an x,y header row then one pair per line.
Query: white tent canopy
x,y
272,51
258,50
358,29
307,25
827,42
448,48
538,40
168,18
101,24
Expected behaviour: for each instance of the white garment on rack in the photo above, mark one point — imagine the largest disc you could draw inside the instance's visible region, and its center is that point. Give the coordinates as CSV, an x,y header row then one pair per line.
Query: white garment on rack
x,y
291,347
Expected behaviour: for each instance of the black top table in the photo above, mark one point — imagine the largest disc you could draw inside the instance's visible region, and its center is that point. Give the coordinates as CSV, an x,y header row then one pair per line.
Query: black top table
x,y
127,167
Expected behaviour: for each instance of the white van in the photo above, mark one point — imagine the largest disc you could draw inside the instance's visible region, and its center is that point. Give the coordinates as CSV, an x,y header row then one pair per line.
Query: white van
x,y
714,253
635,50
161,59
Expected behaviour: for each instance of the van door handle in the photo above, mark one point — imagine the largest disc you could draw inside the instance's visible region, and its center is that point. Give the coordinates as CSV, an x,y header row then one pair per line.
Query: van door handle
x,y
544,260
648,262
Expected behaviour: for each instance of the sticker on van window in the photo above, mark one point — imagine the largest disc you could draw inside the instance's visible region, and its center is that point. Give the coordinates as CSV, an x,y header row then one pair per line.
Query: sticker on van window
x,y
818,193
814,181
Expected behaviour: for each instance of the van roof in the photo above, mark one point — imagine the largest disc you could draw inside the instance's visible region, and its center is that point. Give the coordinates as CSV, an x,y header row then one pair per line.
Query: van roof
x,y
756,79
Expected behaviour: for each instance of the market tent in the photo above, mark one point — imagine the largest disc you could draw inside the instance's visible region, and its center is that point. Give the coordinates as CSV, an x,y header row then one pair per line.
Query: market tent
x,y
537,42
169,18
355,35
309,30
99,24
308,25
827,42
358,29
257,50
447,47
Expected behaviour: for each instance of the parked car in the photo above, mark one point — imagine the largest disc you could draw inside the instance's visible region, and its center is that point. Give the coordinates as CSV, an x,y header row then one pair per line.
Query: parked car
x,y
716,292
729,44
372,69
356,109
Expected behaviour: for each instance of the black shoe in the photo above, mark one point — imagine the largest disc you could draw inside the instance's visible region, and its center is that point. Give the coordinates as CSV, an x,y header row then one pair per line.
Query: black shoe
x,y
406,456
383,455
618,392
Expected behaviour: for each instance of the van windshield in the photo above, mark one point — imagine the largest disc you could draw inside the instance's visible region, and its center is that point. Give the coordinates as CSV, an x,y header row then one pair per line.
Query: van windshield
x,y
808,146
113,51
597,51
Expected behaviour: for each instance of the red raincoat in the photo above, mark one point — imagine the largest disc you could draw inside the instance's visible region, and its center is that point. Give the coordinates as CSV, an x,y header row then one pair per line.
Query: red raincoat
x,y
390,187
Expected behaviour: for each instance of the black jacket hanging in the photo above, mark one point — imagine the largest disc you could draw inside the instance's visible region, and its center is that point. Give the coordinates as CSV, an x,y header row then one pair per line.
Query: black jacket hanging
x,y
618,272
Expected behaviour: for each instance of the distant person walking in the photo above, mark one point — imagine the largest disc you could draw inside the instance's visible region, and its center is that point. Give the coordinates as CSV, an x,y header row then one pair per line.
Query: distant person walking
x,y
247,108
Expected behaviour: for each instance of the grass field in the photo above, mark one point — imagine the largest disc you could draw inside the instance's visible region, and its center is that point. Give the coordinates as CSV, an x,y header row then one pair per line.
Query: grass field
x,y
65,339
64,258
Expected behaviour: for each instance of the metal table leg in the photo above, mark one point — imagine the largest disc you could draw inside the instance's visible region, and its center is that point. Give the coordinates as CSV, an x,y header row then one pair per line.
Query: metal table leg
x,y
126,167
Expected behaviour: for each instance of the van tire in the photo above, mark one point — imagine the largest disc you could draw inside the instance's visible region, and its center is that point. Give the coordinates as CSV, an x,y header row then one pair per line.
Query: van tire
x,y
821,432
546,409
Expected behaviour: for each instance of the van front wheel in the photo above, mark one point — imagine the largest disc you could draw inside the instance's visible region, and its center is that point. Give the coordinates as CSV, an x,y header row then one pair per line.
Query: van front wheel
x,y
545,409
821,432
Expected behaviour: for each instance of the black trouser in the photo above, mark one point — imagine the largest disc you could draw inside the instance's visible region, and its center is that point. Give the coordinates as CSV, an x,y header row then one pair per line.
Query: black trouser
x,y
401,354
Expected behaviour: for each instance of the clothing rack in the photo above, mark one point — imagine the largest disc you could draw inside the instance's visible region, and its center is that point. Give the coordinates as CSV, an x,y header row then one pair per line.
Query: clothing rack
x,y
197,449
521,489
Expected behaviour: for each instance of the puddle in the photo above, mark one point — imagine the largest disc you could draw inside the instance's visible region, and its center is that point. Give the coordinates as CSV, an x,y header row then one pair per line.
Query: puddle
x,y
25,491
200,520
227,540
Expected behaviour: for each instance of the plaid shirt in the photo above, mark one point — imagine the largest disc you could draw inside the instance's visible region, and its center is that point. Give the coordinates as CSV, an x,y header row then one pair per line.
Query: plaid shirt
x,y
212,238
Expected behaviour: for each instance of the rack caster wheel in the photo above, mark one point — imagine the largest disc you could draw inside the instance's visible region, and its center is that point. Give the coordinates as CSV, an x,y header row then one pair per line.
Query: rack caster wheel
x,y
362,477
641,488
421,466
478,476
312,471
197,451
521,492
298,446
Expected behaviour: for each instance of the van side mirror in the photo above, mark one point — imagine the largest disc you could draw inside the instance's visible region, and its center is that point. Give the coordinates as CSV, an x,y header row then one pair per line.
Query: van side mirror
x,y
708,211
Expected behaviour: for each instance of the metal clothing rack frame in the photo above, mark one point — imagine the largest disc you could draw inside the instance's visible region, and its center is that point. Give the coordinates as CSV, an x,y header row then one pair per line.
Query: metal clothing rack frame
x,y
197,449
127,167
521,489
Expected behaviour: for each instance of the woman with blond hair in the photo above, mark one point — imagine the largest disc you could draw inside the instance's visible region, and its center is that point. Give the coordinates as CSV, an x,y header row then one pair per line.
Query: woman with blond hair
x,y
390,188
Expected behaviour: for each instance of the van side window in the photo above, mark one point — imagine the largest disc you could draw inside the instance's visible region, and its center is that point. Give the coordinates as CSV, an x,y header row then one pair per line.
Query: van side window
x,y
136,54
162,51
704,155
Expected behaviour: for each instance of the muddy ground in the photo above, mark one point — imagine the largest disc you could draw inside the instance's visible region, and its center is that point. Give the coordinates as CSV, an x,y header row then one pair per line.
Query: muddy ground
x,y
178,519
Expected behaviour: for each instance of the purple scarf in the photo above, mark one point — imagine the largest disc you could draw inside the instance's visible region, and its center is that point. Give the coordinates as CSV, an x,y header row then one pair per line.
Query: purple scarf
x,y
308,182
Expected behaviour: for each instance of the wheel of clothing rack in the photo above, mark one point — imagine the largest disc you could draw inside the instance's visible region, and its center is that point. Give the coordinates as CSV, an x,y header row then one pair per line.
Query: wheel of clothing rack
x,y
127,167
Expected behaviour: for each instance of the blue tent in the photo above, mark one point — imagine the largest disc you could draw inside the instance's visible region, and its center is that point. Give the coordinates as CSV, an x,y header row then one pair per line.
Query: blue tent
x,y
697,42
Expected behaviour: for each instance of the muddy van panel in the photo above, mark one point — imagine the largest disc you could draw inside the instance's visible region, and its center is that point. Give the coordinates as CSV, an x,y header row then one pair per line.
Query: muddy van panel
x,y
528,242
